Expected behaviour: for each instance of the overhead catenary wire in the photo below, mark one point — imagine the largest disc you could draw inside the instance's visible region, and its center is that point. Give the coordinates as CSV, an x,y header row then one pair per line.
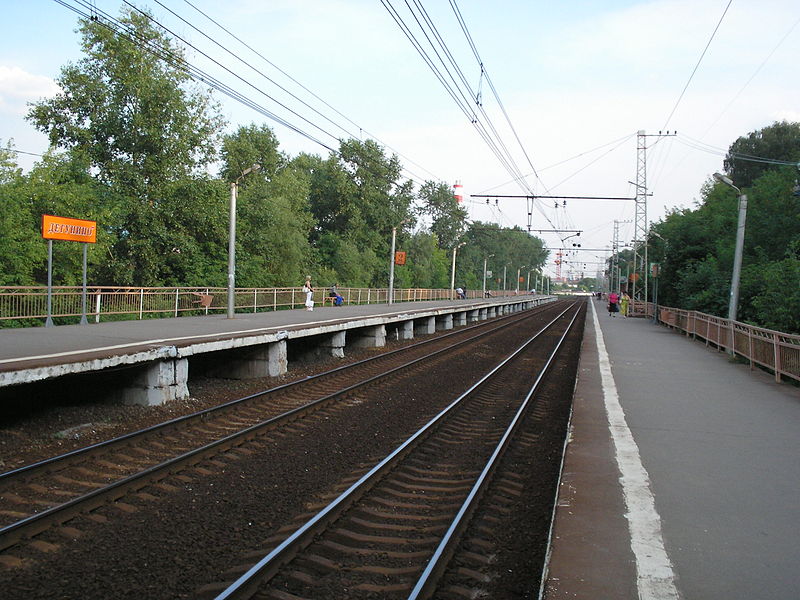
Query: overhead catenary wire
x,y
753,76
465,29
304,88
674,108
709,149
446,70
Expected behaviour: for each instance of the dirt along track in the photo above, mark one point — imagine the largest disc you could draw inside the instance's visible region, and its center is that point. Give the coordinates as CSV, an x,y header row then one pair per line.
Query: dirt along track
x,y
196,527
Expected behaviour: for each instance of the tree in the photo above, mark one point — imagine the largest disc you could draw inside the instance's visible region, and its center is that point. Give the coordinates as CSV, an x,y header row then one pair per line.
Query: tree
x,y
780,141
127,109
448,217
21,248
273,215
357,198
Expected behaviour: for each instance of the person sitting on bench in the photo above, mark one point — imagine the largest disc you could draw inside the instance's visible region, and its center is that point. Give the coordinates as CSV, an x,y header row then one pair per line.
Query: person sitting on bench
x,y
337,298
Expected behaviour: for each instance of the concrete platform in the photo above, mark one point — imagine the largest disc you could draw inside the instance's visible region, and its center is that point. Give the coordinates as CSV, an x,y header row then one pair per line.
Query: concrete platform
x,y
156,352
681,477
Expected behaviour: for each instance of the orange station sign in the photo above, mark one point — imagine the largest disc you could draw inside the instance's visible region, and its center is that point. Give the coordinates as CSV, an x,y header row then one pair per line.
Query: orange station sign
x,y
65,228
400,258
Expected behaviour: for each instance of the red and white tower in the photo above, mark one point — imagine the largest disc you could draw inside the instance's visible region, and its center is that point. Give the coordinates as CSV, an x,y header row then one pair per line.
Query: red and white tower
x,y
559,260
458,192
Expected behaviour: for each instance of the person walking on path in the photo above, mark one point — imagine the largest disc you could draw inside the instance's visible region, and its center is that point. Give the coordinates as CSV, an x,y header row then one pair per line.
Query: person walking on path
x,y
624,303
613,304
308,290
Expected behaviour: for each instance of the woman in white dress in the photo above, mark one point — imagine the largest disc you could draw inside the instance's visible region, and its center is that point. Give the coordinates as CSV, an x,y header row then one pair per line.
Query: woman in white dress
x,y
308,290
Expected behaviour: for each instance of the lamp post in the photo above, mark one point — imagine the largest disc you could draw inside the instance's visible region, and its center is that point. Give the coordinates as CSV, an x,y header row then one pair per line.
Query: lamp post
x,y
390,299
505,266
232,240
519,269
391,268
453,271
485,260
733,304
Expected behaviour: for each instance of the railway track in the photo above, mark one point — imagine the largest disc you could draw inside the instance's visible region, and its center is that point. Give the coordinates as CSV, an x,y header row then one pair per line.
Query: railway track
x,y
392,532
79,482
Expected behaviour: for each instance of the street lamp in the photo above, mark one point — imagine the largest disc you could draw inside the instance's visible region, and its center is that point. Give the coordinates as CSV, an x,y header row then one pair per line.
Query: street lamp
x,y
737,257
453,271
485,259
518,272
232,240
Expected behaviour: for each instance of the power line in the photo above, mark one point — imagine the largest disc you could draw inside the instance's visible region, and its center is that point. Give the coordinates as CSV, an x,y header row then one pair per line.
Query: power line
x,y
674,108
709,149
192,70
463,94
303,87
464,28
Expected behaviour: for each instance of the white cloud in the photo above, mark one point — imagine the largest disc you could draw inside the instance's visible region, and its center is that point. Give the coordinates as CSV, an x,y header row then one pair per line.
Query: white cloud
x,y
17,87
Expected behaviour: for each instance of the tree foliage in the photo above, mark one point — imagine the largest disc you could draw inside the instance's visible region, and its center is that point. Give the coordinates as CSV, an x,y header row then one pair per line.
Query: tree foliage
x,y
780,141
696,247
133,145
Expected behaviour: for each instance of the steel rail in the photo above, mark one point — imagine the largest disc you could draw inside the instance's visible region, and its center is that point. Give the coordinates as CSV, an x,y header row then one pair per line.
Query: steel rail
x,y
36,523
47,464
427,581
266,568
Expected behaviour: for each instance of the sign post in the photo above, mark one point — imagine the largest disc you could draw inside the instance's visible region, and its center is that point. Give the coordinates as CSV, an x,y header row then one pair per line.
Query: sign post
x,y
73,230
654,273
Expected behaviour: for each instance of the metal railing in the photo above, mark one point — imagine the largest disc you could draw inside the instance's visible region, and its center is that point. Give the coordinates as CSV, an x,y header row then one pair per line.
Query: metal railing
x,y
29,303
779,352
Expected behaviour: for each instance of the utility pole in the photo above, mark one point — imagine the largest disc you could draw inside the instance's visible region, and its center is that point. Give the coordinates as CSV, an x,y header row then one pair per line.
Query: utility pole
x,y
615,270
615,259
640,220
640,265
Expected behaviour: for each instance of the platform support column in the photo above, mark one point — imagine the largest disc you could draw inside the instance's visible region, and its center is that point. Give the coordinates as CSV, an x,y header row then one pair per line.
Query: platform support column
x,y
335,344
474,316
425,326
444,322
460,319
266,360
371,337
405,331
159,382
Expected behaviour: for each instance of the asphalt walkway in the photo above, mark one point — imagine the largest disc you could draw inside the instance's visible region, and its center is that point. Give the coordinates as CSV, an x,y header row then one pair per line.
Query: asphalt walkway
x,y
682,474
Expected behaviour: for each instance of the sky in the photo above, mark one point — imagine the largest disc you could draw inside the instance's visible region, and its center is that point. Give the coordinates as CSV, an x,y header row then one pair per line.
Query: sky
x,y
576,81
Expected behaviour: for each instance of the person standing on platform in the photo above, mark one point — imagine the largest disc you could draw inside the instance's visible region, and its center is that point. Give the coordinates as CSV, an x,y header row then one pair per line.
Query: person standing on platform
x,y
613,304
308,290
624,303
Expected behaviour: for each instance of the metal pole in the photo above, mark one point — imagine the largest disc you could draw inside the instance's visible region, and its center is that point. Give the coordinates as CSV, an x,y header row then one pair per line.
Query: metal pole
x,y
737,259
84,321
453,275
485,259
518,270
391,268
49,320
504,279
232,253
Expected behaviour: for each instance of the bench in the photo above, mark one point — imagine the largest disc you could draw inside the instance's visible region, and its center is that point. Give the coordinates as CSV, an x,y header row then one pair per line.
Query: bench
x,y
204,300
330,299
